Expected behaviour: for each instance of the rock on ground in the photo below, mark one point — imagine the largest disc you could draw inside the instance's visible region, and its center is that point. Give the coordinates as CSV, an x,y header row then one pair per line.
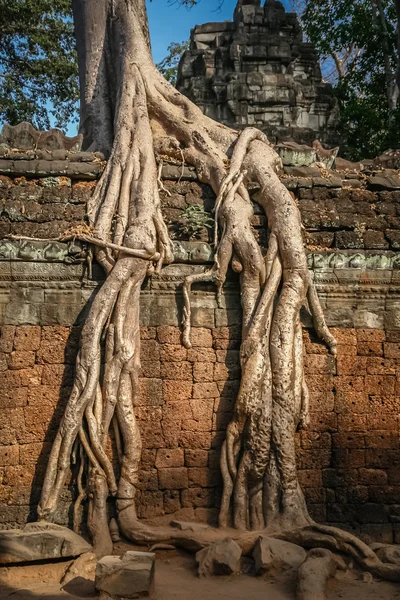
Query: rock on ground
x,y
83,567
273,556
40,541
220,558
128,576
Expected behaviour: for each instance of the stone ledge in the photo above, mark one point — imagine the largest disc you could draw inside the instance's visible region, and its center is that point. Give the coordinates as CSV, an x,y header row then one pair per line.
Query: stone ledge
x,y
51,168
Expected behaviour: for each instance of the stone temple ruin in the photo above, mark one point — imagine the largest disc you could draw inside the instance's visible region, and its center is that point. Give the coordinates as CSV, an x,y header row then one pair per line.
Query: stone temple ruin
x,y
257,71
348,458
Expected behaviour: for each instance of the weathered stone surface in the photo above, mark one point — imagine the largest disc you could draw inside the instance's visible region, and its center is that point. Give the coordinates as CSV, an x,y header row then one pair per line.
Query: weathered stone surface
x,y
189,526
241,73
24,136
274,556
83,567
128,576
40,541
220,558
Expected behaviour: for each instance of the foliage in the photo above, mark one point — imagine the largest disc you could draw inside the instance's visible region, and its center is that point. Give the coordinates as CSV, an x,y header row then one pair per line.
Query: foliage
x,y
38,66
194,219
361,39
169,65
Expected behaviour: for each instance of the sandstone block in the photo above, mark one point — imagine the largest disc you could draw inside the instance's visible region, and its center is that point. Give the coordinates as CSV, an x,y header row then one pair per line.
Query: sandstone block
x,y
149,350
175,391
201,337
168,334
275,556
392,349
170,457
173,478
196,458
83,568
20,359
220,558
200,355
6,338
205,390
203,372
176,370
27,338
128,576
370,348
172,501
40,541
31,376
351,365
198,498
172,353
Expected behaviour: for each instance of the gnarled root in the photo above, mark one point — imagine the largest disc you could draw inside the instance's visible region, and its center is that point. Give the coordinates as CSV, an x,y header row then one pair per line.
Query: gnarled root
x,y
261,488
313,575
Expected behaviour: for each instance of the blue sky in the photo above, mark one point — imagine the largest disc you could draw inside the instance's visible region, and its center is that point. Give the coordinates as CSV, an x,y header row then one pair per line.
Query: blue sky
x,y
170,22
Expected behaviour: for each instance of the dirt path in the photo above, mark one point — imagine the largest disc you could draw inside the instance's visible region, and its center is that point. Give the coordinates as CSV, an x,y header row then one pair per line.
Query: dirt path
x,y
176,579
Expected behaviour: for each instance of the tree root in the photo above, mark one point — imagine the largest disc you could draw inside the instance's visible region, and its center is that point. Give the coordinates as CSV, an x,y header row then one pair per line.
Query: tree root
x,y
258,463
313,575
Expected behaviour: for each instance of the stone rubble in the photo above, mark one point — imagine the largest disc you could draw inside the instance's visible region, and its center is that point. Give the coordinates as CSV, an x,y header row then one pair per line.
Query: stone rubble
x,y
220,558
123,577
40,541
83,567
274,556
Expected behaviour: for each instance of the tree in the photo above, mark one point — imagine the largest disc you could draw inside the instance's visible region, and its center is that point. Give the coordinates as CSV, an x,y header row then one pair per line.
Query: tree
x,y
168,67
38,66
131,113
362,42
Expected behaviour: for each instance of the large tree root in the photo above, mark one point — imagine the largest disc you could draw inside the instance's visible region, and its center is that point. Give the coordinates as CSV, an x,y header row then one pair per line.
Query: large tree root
x,y
261,489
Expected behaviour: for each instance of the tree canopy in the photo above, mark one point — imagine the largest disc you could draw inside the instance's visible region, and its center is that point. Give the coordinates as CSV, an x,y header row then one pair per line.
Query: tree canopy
x,y
169,65
38,66
361,39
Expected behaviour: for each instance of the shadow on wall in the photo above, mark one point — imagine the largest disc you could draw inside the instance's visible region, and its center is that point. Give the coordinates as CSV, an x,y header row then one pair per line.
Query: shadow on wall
x,y
60,376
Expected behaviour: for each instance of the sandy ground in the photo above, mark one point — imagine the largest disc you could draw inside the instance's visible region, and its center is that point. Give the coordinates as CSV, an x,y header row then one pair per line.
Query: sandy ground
x,y
176,579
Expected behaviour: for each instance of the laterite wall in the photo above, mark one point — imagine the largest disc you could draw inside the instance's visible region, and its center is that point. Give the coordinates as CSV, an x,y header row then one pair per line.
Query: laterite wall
x,y
348,459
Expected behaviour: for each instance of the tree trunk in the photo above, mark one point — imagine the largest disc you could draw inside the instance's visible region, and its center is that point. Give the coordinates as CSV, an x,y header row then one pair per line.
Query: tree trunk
x,y
130,112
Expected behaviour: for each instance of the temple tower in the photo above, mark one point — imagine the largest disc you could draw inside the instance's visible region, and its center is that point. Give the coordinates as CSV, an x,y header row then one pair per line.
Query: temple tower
x,y
257,71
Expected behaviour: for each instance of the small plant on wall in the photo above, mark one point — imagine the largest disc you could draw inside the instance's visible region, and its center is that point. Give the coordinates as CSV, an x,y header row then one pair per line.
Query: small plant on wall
x,y
193,220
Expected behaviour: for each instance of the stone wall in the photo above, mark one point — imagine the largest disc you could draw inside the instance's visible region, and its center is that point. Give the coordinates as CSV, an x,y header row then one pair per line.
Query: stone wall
x,y
349,457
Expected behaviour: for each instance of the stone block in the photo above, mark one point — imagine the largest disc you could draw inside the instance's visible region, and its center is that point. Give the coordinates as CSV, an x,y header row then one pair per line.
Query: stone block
x,y
200,355
40,541
20,359
173,478
220,558
198,498
203,372
196,458
172,353
128,576
168,334
275,556
27,338
176,391
201,337
169,457
172,502
205,390
176,370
